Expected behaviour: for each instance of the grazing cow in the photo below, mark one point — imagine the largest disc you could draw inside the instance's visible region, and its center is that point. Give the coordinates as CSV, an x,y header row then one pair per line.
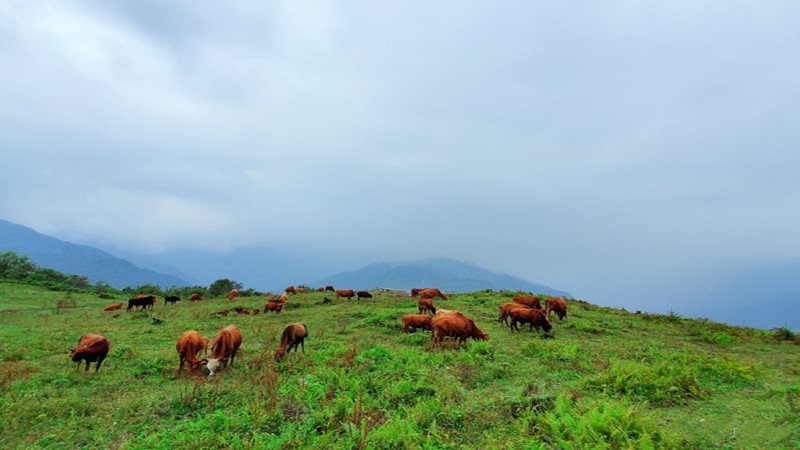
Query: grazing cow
x,y
329,288
91,348
363,294
171,299
113,307
416,321
530,301
457,326
196,297
504,308
189,345
431,293
290,290
347,293
321,289
273,306
416,291
557,304
226,344
426,305
292,335
534,317
144,301
232,294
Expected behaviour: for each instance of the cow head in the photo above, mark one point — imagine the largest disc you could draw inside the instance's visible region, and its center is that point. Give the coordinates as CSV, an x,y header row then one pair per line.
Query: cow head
x,y
547,325
213,365
280,353
72,355
480,335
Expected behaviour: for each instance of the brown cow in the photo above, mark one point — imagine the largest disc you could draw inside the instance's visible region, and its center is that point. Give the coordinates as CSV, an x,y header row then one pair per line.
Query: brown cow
x,y
256,311
557,304
273,306
505,307
348,293
113,307
321,289
91,348
416,291
457,326
426,305
189,345
416,321
226,344
431,293
530,301
292,335
232,294
196,297
290,290
534,317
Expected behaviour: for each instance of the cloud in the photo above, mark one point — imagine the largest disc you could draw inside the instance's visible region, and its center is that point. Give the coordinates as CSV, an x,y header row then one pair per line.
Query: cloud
x,y
600,149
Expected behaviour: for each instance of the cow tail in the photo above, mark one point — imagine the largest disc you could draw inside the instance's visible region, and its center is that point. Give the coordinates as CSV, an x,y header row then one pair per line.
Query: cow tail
x,y
305,328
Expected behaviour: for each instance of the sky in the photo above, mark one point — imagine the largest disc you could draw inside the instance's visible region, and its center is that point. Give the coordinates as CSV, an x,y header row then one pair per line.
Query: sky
x,y
624,151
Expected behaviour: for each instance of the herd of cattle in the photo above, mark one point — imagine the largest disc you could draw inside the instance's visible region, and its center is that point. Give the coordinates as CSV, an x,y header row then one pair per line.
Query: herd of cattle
x,y
442,323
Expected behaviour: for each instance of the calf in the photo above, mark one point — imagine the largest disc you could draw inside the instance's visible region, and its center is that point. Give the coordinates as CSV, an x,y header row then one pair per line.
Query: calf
x,y
426,305
113,307
557,304
196,297
363,294
534,317
171,299
91,348
292,335
226,344
416,321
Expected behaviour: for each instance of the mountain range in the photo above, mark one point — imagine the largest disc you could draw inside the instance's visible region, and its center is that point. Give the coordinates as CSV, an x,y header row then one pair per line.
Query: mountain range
x,y
96,264
264,269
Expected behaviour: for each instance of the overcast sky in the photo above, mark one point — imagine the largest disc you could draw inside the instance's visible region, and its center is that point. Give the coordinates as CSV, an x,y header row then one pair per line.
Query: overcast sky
x,y
612,149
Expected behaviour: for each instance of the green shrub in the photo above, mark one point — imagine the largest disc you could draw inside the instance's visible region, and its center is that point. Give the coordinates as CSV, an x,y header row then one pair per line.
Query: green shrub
x,y
662,384
596,424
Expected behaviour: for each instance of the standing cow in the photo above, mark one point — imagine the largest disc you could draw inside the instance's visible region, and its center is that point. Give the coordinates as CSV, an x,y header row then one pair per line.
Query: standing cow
x,y
91,348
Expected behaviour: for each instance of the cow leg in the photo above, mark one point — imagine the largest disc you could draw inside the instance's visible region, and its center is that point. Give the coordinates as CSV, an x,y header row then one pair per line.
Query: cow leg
x,y
303,345
180,368
87,366
78,366
99,362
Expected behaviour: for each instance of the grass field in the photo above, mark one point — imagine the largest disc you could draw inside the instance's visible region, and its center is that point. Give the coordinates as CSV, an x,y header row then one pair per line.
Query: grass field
x,y
607,378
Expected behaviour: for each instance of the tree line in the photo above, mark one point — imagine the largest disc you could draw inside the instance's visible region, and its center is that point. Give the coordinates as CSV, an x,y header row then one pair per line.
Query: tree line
x,y
19,268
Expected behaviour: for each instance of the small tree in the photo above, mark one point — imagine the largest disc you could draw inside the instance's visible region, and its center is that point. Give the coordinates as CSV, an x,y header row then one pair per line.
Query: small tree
x,y
14,266
223,286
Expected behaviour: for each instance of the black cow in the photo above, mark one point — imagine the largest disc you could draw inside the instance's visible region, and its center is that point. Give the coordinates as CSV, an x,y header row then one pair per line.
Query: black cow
x,y
171,299
364,294
144,301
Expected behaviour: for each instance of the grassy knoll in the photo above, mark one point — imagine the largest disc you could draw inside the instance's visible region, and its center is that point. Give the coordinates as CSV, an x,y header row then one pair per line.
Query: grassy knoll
x,y
608,378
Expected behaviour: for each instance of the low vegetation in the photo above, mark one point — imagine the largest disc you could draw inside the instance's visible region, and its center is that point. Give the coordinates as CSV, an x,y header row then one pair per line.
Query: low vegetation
x,y
604,378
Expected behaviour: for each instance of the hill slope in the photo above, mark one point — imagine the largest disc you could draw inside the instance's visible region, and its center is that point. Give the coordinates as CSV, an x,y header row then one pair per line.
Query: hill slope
x,y
446,274
70,258
605,379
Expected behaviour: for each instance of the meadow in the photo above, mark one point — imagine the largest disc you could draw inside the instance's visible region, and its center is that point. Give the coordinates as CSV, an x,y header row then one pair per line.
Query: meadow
x,y
607,378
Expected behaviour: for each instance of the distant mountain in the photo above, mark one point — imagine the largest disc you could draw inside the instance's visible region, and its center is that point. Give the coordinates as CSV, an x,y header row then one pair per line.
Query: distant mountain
x,y
260,268
446,274
97,265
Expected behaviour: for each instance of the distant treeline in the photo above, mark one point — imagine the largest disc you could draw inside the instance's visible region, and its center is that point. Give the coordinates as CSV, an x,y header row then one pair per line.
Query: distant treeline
x,y
15,267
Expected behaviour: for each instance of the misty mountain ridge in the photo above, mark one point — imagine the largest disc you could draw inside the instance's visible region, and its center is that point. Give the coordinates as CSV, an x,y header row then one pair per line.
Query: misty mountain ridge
x,y
95,264
444,273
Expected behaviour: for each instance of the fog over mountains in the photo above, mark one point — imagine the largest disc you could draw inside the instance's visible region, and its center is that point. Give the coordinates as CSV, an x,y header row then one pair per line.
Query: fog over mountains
x,y
256,267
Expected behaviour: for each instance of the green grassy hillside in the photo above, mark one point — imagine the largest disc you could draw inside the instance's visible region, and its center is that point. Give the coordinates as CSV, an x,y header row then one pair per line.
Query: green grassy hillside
x,y
607,378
